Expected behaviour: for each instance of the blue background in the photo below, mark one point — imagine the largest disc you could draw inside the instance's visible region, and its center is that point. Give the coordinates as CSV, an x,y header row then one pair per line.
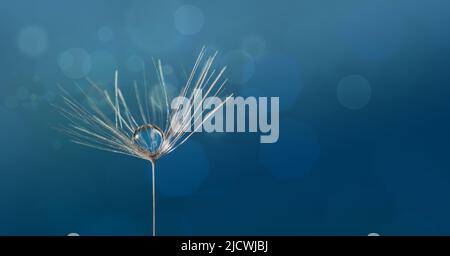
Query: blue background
x,y
364,128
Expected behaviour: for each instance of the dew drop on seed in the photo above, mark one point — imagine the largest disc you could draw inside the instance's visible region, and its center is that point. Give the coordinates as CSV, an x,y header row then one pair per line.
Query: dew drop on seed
x,y
148,138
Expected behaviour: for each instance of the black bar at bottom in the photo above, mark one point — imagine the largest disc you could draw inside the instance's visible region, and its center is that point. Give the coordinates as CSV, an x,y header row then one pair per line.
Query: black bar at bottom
x,y
245,245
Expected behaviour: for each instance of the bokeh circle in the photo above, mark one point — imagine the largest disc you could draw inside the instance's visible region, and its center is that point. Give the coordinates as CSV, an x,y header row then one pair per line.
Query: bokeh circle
x,y
354,92
75,63
105,34
240,66
188,19
32,41
150,25
255,46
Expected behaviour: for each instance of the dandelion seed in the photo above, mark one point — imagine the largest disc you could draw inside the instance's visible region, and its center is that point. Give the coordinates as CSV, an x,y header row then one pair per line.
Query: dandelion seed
x,y
150,133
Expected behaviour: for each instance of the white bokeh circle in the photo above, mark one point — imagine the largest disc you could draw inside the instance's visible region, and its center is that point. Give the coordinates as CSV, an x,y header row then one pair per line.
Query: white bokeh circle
x,y
188,19
32,41
150,25
75,63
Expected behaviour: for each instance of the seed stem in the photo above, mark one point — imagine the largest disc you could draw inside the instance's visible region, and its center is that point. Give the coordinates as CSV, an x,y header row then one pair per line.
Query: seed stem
x,y
153,197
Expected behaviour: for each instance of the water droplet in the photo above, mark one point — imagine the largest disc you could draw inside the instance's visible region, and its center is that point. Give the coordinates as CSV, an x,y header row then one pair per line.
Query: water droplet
x,y
149,138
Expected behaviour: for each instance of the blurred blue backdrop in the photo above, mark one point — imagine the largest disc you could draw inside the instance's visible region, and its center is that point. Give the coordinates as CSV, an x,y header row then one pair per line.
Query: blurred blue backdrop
x,y
364,142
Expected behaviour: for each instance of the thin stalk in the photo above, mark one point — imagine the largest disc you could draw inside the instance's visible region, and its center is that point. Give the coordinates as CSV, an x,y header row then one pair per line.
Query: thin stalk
x,y
153,197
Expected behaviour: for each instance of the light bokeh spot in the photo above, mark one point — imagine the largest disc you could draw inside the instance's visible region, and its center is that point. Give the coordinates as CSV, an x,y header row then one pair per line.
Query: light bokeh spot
x,y
354,92
32,41
75,63
150,25
240,66
255,46
105,34
189,19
